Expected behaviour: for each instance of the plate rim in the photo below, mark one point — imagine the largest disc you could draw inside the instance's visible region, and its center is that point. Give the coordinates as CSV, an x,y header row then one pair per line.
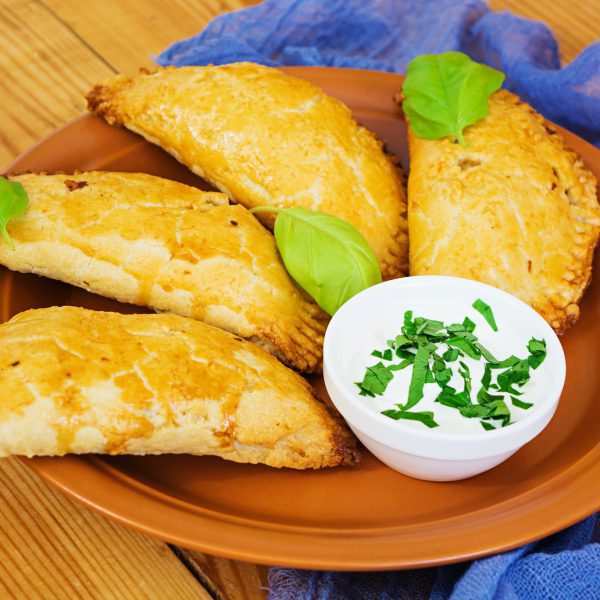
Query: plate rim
x,y
52,469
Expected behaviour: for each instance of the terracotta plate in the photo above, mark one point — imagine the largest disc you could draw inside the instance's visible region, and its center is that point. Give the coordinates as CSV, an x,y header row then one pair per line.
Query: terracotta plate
x,y
367,518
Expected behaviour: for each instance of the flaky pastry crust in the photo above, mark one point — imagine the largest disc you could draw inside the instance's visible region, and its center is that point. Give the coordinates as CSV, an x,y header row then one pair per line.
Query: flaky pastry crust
x,y
81,381
154,242
516,209
266,138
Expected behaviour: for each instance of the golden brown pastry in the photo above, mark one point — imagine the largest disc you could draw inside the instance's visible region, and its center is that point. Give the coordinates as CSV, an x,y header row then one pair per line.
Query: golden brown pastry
x,y
265,138
82,381
516,209
158,243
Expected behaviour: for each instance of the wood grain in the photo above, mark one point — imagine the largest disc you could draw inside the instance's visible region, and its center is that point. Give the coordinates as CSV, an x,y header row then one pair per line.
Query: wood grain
x,y
230,579
127,33
44,72
54,548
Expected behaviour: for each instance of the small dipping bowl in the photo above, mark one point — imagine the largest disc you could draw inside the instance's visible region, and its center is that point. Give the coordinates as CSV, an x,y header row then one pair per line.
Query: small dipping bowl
x,y
370,318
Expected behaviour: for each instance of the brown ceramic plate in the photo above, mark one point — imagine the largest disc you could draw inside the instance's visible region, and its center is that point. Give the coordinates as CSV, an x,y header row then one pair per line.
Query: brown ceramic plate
x,y
354,519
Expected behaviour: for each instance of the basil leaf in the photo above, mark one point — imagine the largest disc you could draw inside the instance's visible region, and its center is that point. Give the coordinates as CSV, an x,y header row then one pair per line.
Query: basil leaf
x,y
13,203
486,312
487,426
444,93
325,255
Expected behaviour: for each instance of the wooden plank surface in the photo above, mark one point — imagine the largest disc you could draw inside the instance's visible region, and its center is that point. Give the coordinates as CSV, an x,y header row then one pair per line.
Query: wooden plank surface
x,y
127,33
54,548
52,51
44,72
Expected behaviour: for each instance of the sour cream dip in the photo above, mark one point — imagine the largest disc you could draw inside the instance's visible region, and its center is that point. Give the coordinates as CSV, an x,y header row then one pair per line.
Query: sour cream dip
x,y
458,447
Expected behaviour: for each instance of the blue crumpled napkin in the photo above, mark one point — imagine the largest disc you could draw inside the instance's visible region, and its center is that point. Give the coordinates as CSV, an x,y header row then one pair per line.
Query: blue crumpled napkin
x,y
385,35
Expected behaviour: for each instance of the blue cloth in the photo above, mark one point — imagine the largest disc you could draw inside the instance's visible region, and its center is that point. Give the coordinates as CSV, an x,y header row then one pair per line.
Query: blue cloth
x,y
385,35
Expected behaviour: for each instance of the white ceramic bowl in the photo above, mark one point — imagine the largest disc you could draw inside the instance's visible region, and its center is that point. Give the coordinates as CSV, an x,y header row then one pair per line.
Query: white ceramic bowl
x,y
430,453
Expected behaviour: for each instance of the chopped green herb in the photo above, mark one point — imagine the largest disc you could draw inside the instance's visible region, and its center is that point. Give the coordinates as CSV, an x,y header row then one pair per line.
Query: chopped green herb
x,y
402,340
451,354
484,397
424,417
376,380
465,346
428,326
507,362
487,377
449,397
469,325
406,354
534,346
519,403
420,345
409,327
441,373
485,352
537,349
400,366
429,378
486,312
499,410
465,373
419,376
474,410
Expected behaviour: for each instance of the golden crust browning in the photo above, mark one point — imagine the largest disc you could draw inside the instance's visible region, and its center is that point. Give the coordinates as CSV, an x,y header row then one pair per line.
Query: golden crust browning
x,y
516,209
81,381
265,138
153,242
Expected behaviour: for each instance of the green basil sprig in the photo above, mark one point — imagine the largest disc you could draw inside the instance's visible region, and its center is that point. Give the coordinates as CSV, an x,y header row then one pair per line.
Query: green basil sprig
x,y
13,203
444,93
325,255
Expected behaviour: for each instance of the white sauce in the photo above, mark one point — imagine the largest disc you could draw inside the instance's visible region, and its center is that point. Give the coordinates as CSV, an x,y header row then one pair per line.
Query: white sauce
x,y
508,340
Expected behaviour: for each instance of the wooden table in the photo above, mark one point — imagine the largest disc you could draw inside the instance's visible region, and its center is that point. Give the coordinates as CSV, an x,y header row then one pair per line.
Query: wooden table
x,y
52,51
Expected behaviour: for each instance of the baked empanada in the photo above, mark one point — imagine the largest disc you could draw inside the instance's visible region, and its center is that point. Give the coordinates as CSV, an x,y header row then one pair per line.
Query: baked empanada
x,y
266,138
81,381
516,209
158,243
